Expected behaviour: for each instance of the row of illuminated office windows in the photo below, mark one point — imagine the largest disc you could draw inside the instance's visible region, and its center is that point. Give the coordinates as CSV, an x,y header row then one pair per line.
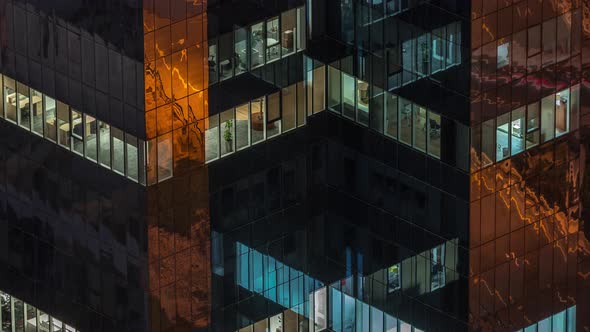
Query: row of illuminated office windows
x,y
528,126
251,47
309,301
396,117
73,130
265,117
18,316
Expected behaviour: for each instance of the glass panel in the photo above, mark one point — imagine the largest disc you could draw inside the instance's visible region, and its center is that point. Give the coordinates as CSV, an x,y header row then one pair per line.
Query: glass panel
x,y
502,137
301,29
488,144
257,44
319,89
419,128
104,144
90,138
549,37
564,40
376,107
276,323
30,318
503,55
532,125
37,112
575,107
2,99
213,61
517,130
362,98
376,320
334,85
6,313
320,309
273,47
348,96
559,321
288,31
56,325
10,99
390,324
258,118
547,118
242,126
77,133
562,112
131,154
151,162
391,113
212,138
571,319
118,150
24,106
165,157
289,100
434,130
405,118
544,325
227,56
273,126
241,50
19,315
301,106
50,118
63,125
228,132
43,321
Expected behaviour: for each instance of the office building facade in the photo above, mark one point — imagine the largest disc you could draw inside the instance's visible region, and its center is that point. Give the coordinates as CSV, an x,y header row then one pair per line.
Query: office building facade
x,y
300,165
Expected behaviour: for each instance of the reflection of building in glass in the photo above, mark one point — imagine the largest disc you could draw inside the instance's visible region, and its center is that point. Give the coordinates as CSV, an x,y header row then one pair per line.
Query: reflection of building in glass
x,y
294,165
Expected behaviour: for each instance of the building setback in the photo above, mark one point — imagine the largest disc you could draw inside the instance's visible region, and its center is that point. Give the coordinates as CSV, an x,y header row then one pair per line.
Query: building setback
x,y
301,165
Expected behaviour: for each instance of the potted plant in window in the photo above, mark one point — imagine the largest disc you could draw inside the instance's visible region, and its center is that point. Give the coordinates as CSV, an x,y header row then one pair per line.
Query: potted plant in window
x,y
228,136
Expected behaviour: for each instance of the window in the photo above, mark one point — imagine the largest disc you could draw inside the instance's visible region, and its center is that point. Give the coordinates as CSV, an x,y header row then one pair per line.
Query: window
x,y
241,50
118,150
131,152
288,31
549,37
242,124
289,100
419,128
258,118
273,47
90,138
391,115
319,89
502,137
437,267
50,119
488,145
334,85
575,107
434,134
273,126
301,29
2,99
503,55
227,131
562,112
104,144
63,125
548,118
227,56
37,112
301,105
362,99
564,41
376,107
393,278
24,115
348,96
257,43
213,61
517,130
212,138
532,125
405,121
77,132
10,99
